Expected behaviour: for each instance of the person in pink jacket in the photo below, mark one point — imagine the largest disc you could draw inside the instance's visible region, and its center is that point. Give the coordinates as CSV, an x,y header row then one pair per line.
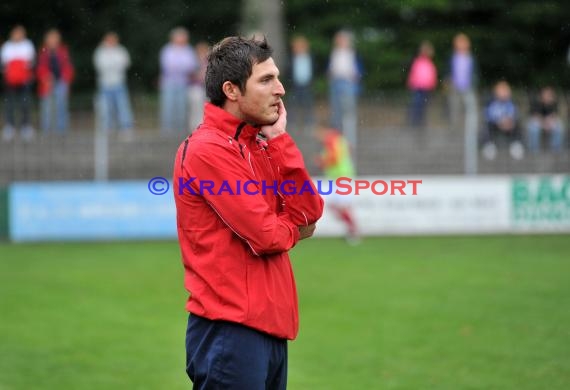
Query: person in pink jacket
x,y
422,79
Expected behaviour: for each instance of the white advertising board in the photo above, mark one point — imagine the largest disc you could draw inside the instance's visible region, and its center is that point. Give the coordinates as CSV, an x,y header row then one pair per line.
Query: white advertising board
x,y
458,205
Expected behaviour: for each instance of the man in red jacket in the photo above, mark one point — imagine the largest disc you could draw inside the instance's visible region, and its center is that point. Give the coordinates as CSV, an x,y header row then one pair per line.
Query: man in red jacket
x,y
54,73
243,199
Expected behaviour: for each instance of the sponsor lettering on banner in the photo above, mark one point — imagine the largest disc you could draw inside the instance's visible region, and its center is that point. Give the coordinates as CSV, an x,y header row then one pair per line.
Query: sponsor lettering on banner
x,y
541,201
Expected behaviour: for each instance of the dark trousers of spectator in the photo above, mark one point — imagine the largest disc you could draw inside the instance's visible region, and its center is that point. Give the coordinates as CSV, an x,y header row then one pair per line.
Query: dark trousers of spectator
x,y
226,355
18,99
496,135
302,114
418,107
536,131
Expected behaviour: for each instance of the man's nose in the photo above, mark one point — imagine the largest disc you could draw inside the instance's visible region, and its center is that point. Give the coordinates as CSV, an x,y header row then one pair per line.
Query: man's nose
x,y
279,89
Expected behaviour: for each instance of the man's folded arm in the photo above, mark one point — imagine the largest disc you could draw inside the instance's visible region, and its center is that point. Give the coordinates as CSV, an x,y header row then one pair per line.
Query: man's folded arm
x,y
304,204
247,214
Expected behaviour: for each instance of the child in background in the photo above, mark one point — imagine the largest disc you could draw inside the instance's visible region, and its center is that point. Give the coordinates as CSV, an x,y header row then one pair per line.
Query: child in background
x,y
501,118
336,161
545,119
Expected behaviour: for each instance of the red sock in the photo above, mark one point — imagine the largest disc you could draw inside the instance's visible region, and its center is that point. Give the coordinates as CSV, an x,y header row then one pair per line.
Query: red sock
x,y
346,216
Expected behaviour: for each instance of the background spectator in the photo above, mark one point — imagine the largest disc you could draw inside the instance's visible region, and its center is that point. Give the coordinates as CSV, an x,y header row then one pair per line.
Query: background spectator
x,y
111,62
545,119
177,62
17,57
55,73
302,103
344,77
462,79
501,118
422,80
197,88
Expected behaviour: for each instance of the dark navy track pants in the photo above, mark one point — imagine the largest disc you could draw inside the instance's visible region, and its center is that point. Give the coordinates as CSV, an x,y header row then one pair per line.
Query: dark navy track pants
x,y
227,355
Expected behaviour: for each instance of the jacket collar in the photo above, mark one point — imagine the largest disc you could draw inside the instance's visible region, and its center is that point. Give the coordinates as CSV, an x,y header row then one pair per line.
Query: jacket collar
x,y
220,119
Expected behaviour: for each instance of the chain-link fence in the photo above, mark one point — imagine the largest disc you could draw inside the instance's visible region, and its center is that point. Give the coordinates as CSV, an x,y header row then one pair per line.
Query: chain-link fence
x,y
386,145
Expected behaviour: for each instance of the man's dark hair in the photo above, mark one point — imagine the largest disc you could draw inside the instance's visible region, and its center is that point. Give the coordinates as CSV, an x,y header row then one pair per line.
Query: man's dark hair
x,y
232,59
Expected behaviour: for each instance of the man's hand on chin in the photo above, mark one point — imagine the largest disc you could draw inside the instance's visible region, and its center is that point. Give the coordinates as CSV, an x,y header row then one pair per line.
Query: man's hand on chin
x,y
278,128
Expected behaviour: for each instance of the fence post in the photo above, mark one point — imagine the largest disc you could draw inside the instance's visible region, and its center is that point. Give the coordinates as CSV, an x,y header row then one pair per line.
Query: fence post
x,y
471,145
101,142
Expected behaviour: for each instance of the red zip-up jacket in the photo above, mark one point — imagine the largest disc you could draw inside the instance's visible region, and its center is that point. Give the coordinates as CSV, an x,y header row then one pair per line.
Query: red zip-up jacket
x,y
234,247
45,82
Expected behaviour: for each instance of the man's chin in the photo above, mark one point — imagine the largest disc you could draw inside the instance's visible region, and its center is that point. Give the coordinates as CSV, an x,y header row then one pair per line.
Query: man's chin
x,y
268,121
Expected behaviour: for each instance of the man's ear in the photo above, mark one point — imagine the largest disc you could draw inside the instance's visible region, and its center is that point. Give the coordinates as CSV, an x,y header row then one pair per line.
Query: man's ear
x,y
231,91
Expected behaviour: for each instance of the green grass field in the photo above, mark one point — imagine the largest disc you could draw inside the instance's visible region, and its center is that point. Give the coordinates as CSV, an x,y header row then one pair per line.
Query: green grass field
x,y
392,313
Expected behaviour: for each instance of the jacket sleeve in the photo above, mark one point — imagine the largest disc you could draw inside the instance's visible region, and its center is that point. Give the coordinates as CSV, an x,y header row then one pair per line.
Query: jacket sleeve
x,y
68,69
42,70
240,205
304,204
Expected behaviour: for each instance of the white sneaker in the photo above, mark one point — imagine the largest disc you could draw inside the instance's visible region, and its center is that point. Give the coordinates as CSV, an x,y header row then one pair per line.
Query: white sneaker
x,y
490,151
516,150
28,133
353,239
8,133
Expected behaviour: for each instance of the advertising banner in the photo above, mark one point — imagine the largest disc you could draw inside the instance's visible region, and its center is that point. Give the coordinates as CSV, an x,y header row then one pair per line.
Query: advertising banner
x,y
89,211
483,204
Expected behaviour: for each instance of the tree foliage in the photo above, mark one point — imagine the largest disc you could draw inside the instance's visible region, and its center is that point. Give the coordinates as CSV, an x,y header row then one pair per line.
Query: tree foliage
x,y
524,41
143,26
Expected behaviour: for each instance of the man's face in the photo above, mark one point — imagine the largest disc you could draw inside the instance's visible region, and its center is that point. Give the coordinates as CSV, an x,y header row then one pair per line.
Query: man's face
x,y
180,38
342,40
18,34
300,46
548,95
461,44
53,39
259,104
111,39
